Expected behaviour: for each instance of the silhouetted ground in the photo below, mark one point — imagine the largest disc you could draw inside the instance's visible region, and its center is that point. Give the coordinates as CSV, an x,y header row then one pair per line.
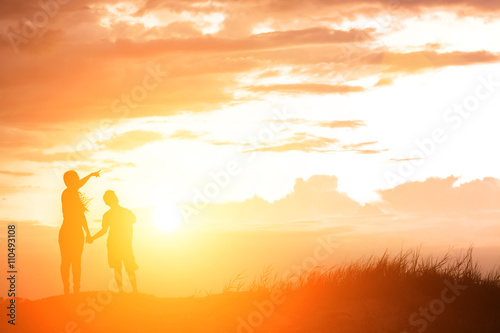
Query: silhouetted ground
x,y
403,294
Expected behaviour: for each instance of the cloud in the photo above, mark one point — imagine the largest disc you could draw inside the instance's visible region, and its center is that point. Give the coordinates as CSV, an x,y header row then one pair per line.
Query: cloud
x,y
104,64
100,64
116,179
405,159
16,173
105,166
131,140
370,151
359,148
299,142
209,44
341,124
385,81
304,88
436,196
116,164
318,198
309,143
315,198
185,135
69,156
8,189
359,145
18,138
411,62
286,9
352,124
226,143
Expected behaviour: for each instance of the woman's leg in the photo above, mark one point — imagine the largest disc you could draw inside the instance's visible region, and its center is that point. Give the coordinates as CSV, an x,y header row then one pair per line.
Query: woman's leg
x,y
76,266
65,263
76,263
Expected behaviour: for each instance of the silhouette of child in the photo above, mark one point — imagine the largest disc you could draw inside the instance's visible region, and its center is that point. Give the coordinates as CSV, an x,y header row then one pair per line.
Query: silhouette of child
x,y
119,221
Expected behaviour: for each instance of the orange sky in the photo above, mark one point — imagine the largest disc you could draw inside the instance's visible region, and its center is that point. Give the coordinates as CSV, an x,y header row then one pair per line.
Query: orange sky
x,y
256,116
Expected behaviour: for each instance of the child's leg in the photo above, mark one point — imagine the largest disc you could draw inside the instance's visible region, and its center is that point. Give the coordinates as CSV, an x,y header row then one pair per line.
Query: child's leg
x,y
118,278
133,280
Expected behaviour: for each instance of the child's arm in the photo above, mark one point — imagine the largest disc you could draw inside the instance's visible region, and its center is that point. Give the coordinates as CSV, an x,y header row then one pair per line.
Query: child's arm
x,y
84,180
101,233
104,229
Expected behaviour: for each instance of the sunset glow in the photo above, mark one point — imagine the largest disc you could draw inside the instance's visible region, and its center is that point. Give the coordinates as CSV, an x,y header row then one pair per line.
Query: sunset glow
x,y
167,217
238,133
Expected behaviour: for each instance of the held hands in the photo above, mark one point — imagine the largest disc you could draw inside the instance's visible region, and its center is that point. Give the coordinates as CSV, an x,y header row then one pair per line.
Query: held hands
x,y
89,239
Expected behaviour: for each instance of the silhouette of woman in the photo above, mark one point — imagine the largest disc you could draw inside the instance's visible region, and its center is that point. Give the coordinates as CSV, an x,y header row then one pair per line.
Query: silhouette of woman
x,y
71,240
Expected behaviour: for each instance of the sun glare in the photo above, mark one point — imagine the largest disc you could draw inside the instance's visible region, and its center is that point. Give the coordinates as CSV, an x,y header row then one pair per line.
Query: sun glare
x,y
167,217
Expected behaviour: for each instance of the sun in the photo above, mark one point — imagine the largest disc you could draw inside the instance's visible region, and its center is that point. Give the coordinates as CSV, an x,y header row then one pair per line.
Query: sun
x,y
167,217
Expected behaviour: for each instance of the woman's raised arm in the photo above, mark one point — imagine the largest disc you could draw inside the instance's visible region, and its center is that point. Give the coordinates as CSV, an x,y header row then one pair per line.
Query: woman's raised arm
x,y
84,180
